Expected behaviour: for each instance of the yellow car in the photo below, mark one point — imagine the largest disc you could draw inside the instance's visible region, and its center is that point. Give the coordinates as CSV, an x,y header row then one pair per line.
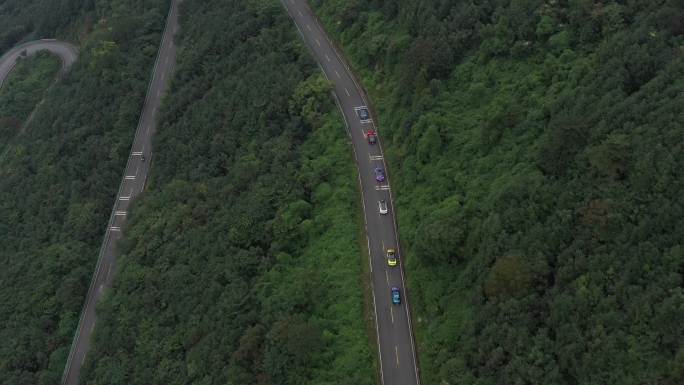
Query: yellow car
x,y
391,257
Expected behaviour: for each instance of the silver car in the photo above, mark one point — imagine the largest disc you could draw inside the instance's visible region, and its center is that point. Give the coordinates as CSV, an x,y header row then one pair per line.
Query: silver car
x,y
382,206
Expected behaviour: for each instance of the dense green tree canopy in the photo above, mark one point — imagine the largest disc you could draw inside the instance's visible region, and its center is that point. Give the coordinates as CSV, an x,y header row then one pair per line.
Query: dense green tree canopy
x,y
241,264
22,91
26,19
58,177
536,149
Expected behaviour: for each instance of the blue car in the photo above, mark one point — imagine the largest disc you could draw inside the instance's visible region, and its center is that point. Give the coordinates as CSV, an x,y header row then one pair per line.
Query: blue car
x,y
379,175
396,297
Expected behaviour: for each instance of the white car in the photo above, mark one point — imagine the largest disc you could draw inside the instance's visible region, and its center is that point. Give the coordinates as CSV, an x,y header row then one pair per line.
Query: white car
x,y
382,207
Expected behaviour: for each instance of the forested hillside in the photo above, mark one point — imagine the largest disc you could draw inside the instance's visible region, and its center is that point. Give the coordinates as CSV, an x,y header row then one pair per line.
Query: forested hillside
x,y
22,91
21,19
242,262
58,180
536,153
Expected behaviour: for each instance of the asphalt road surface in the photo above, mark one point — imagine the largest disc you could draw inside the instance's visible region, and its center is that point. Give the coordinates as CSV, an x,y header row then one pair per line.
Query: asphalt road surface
x,y
395,339
132,184
65,51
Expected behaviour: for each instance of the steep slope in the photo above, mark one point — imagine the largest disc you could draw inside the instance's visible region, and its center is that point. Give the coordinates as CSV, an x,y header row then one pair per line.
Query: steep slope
x,y
23,90
57,183
242,262
32,19
536,154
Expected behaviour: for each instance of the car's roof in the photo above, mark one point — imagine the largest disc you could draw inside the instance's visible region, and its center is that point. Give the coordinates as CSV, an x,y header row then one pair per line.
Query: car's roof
x,y
395,288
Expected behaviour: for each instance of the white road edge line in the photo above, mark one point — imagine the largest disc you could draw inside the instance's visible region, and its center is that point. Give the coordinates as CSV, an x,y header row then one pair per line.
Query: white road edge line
x,y
358,173
105,243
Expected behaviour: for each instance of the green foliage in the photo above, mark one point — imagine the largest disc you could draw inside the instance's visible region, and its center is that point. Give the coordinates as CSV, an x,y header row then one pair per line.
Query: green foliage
x,y
22,91
241,263
543,230
58,179
27,19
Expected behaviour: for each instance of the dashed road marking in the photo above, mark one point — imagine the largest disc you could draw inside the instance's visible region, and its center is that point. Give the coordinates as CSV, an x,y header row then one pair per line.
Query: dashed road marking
x,y
120,213
327,57
129,177
392,313
300,13
136,153
115,228
347,91
387,276
375,157
318,42
100,288
396,352
126,198
308,27
378,188
338,74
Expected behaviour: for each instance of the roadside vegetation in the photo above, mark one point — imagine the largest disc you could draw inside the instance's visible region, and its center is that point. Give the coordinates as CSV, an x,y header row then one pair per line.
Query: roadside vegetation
x,y
241,263
58,180
35,19
536,155
22,91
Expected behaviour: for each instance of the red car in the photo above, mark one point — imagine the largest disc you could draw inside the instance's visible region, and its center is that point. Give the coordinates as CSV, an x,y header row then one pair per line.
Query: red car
x,y
372,137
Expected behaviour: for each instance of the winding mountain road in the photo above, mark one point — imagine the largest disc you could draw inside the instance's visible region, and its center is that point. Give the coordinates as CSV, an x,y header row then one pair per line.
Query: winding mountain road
x,y
132,184
398,364
68,53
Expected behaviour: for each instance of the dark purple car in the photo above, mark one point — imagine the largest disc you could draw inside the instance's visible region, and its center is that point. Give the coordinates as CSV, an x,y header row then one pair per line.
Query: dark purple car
x,y
379,174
